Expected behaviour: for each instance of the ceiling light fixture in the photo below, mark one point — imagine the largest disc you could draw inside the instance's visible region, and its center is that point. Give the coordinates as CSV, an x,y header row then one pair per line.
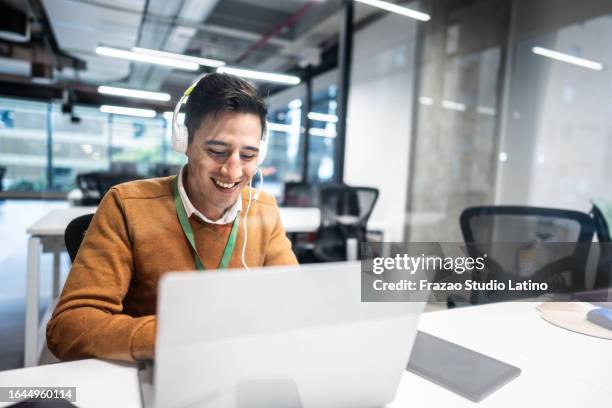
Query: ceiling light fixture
x,y
570,59
150,59
122,110
394,8
324,117
261,76
134,93
205,62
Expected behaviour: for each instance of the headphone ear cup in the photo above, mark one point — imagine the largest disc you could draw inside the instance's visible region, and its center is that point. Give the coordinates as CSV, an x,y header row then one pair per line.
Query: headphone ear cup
x,y
180,138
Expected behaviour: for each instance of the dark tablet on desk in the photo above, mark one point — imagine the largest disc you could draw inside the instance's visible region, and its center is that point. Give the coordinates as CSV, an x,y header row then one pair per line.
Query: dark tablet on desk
x,y
458,369
34,403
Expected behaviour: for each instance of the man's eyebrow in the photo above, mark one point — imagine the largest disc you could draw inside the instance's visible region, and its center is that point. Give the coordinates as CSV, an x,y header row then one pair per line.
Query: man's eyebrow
x,y
223,144
216,143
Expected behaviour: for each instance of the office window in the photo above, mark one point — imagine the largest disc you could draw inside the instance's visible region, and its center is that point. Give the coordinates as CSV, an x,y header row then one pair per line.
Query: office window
x,y
284,159
23,144
137,144
322,132
78,147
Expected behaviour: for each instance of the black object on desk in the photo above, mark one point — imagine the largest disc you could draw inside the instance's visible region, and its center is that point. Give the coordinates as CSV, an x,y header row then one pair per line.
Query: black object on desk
x,y
56,403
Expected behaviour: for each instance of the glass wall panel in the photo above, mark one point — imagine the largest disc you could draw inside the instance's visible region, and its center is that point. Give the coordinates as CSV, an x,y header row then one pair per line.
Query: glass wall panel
x,y
23,144
78,147
455,145
322,134
137,144
558,138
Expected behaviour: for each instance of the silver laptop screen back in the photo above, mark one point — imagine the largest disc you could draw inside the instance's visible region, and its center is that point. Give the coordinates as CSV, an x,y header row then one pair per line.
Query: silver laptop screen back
x,y
229,338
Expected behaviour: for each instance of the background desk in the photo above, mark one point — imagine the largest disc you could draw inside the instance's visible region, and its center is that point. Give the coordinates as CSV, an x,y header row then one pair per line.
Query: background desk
x,y
49,232
559,368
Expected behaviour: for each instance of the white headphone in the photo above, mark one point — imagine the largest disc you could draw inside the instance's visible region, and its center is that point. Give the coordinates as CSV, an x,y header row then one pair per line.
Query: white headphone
x,y
180,134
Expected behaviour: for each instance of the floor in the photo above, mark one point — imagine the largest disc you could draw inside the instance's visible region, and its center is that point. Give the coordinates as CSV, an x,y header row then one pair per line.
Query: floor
x,y
15,217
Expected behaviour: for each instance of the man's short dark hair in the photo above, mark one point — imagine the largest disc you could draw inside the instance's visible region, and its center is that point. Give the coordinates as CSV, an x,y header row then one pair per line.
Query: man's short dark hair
x,y
219,93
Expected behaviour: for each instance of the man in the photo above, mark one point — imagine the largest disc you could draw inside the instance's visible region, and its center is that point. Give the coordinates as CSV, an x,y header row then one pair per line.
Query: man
x,y
107,307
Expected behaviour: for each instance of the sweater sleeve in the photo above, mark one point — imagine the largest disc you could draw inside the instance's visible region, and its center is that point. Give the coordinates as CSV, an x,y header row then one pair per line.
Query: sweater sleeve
x,y
88,320
279,250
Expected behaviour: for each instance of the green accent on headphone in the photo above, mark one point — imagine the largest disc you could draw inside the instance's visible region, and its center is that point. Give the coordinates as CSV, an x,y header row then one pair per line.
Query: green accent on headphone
x,y
184,220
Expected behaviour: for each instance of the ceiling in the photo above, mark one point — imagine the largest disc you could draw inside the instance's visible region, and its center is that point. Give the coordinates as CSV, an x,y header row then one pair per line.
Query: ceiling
x,y
268,35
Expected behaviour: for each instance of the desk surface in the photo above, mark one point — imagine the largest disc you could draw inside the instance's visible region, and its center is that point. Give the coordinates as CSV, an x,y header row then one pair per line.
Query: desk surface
x,y
56,221
559,368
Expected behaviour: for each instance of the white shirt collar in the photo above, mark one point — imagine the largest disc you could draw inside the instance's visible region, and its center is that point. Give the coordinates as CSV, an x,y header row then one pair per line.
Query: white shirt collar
x,y
228,216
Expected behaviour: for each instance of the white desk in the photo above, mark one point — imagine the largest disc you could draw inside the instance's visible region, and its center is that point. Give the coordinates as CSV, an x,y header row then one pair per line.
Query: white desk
x,y
49,231
559,368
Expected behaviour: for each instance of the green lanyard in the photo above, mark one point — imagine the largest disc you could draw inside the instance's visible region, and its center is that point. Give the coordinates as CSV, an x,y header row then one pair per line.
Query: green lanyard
x,y
182,216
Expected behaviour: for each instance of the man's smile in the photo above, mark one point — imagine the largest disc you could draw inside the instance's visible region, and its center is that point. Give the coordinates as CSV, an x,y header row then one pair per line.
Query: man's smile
x,y
224,186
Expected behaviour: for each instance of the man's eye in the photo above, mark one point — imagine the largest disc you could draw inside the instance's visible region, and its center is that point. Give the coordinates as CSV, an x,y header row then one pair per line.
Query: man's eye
x,y
216,153
247,156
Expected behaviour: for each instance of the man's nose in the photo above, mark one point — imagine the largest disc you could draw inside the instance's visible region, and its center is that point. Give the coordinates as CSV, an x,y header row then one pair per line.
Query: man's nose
x,y
232,168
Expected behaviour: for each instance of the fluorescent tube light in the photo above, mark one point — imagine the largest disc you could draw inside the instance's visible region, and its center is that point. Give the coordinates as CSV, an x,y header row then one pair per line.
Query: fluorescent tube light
x,y
122,110
486,110
394,8
426,100
261,76
324,117
453,106
570,59
134,93
321,132
279,127
206,62
151,59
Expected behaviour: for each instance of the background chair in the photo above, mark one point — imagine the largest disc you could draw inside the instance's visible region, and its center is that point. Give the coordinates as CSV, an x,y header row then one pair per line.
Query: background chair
x,y
2,173
603,279
95,185
345,211
75,231
524,230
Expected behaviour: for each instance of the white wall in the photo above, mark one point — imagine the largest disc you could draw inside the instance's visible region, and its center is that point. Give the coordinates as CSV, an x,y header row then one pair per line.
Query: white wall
x,y
380,116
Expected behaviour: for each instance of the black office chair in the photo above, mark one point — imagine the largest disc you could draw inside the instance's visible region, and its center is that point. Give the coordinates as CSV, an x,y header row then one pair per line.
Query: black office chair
x,y
345,211
521,230
75,231
603,279
2,173
95,185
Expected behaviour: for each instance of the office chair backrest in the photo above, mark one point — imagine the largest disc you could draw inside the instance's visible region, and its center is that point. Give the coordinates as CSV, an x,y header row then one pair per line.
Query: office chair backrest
x,y
525,233
345,211
75,231
603,278
601,224
342,204
2,173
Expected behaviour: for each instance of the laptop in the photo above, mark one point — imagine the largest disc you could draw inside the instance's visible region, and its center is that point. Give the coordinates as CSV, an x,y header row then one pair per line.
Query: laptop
x,y
287,336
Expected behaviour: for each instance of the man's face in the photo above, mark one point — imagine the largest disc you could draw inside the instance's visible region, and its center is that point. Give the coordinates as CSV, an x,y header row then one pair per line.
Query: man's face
x,y
222,158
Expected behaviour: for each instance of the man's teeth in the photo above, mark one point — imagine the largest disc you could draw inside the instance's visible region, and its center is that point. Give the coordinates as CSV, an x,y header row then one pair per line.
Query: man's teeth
x,y
224,185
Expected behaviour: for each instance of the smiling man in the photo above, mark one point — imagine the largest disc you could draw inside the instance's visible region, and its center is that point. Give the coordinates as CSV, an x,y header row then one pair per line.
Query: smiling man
x,y
141,229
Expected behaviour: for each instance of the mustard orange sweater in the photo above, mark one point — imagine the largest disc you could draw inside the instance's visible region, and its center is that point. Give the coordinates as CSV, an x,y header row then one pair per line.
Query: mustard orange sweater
x,y
107,307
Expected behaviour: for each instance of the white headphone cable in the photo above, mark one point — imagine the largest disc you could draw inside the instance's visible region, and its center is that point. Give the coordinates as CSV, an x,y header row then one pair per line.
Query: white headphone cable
x,y
246,214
